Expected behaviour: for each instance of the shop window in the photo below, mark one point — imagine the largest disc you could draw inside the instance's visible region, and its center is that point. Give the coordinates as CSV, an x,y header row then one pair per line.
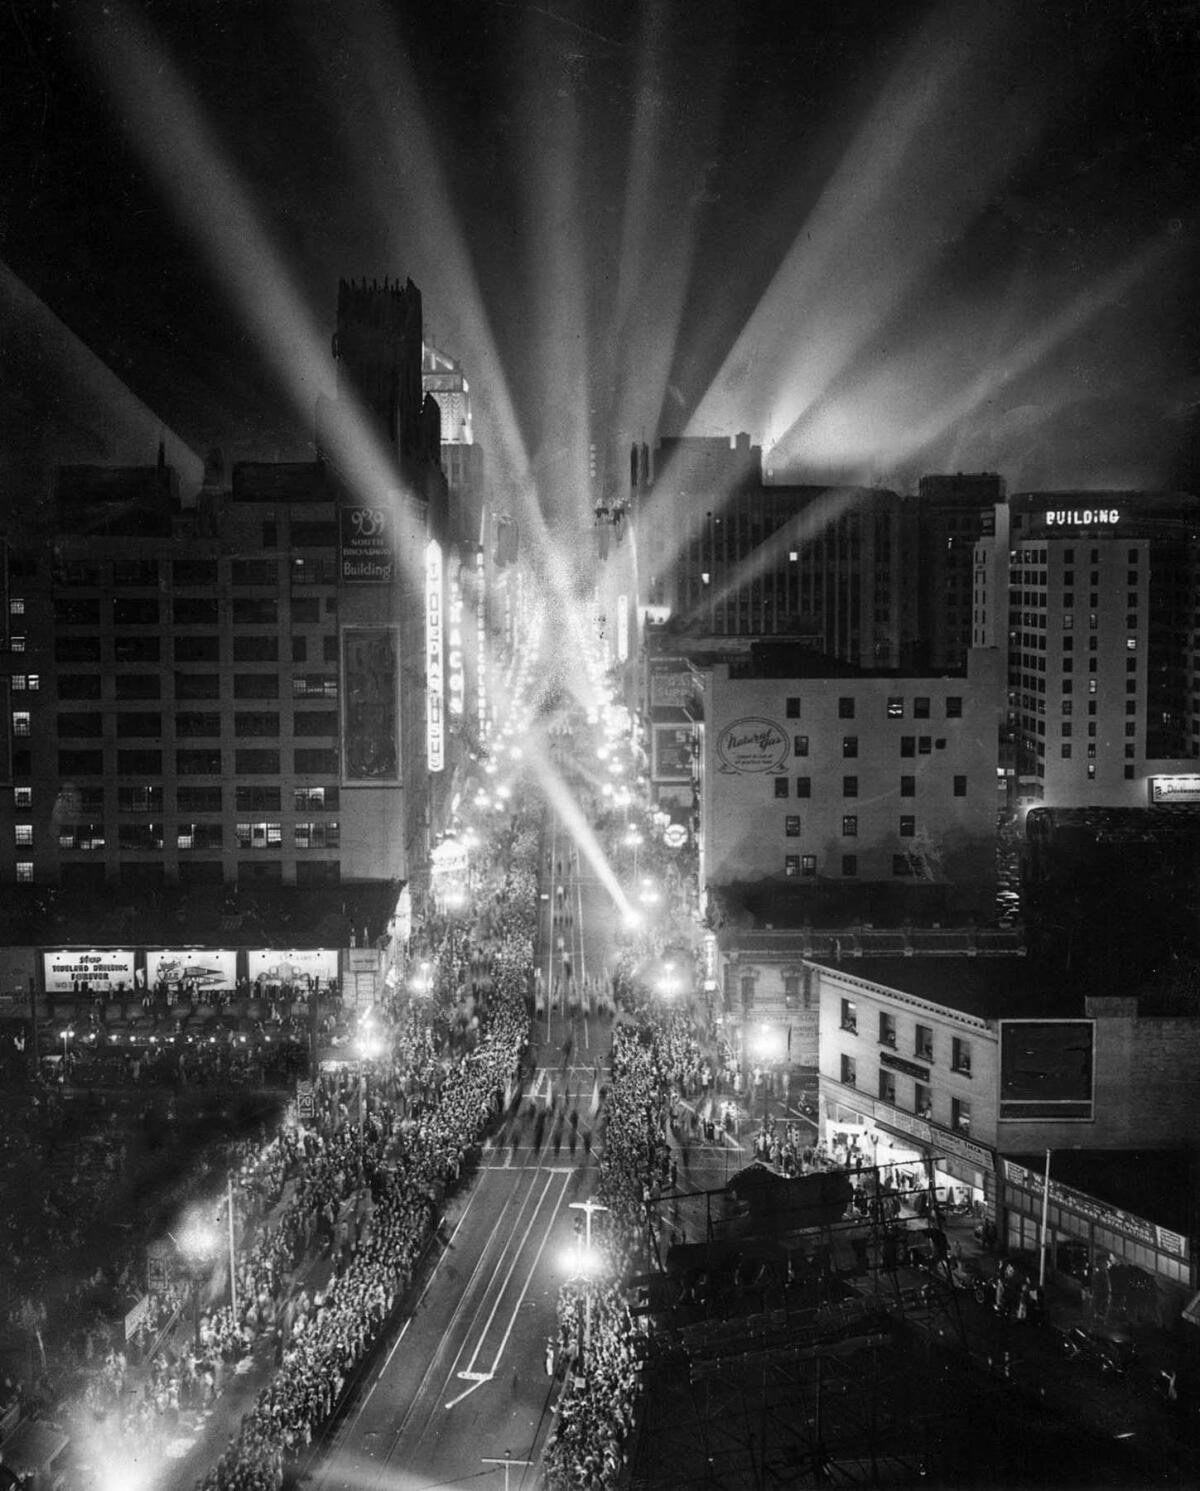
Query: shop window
x,y
960,1056
887,1029
923,1043
849,1071
850,1016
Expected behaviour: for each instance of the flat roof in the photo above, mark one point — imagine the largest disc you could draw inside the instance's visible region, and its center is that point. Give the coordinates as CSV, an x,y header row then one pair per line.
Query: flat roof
x,y
988,988
1158,1185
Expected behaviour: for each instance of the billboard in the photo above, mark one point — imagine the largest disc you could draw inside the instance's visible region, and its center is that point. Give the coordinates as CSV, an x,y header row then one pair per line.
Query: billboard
x,y
435,642
301,967
208,968
365,554
672,753
104,969
371,705
1046,1068
753,745
1183,787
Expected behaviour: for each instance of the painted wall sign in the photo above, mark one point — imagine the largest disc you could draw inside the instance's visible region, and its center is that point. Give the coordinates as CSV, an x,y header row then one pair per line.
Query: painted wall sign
x,y
752,745
371,705
365,535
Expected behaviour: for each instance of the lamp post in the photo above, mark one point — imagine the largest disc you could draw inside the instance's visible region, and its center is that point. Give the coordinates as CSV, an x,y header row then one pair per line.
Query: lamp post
x,y
197,1243
766,1048
634,839
66,1036
369,1047
587,1265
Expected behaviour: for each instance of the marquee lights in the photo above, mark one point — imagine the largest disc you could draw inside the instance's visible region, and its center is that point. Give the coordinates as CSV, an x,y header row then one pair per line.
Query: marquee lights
x,y
434,678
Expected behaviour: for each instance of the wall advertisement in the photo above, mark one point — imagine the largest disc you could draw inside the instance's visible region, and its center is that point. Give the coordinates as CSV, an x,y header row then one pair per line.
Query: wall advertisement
x,y
206,968
752,745
365,554
1046,1068
100,968
298,966
435,738
371,706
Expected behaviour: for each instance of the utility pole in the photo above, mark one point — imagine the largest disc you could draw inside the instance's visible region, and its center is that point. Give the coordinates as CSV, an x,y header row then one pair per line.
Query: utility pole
x,y
507,1461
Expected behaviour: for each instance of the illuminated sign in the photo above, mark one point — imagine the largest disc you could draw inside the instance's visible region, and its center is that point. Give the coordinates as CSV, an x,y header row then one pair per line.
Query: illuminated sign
x,y
1081,517
301,967
622,628
456,679
370,708
434,642
1046,1068
481,641
205,967
752,745
1184,788
99,968
365,535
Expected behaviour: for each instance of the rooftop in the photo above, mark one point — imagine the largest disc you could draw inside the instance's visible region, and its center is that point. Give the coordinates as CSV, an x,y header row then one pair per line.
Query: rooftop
x,y
990,988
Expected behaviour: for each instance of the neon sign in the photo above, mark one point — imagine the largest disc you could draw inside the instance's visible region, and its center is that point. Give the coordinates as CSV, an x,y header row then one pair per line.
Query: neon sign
x,y
434,680
1081,517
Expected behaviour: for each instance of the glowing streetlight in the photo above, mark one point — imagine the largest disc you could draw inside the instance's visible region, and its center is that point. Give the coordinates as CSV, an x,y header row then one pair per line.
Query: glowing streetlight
x,y
370,1046
198,1244
767,1045
66,1036
587,1264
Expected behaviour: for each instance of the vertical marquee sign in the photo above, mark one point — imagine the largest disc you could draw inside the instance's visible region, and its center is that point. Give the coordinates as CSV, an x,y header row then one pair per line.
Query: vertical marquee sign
x,y
370,708
365,539
435,730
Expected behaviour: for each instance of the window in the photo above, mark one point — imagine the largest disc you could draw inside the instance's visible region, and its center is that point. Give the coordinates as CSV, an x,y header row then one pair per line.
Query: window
x,y
198,763
246,723
299,649
256,686
139,763
924,745
325,722
306,799
887,1029
200,836
922,1100
316,761
954,706
887,1086
781,786
849,1071
255,648
791,826
908,745
258,799
259,835
80,763
256,763
804,786
850,1016
26,681
197,685
138,686
849,825
22,797
254,572
329,648
90,724
849,746
908,827
86,836
141,799
849,864
923,1043
849,786
197,610
845,708
960,786
747,989
255,610
198,649
191,722
895,708
316,535
792,707
131,723
920,708
16,606
799,745
140,836
314,686
305,608
198,799
77,649
960,1056
791,865
194,572
792,983
143,572
808,864
131,649
21,722
323,834
270,535
908,786
80,685
960,1114
24,872
70,612
22,833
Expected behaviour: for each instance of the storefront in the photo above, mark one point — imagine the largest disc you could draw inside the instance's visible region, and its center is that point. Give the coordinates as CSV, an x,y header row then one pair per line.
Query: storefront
x,y
1083,1230
964,1173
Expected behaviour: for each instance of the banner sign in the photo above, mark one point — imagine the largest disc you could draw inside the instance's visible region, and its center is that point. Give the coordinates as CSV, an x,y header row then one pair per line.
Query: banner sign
x,y
208,968
371,708
434,666
1083,1205
299,967
365,535
101,968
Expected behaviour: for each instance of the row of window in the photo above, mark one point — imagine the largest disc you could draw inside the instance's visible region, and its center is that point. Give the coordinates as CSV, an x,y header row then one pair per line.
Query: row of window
x,y
919,1095
149,685
93,875
908,786
202,648
199,762
906,866
149,798
894,707
792,826
922,1045
192,572
91,724
910,745
321,834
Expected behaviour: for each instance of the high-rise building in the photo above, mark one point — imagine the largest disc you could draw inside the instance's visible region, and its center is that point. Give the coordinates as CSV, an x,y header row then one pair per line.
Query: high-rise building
x,y
1094,595
952,512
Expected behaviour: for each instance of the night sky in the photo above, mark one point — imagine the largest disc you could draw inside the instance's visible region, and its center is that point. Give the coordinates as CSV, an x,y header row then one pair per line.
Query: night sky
x,y
883,238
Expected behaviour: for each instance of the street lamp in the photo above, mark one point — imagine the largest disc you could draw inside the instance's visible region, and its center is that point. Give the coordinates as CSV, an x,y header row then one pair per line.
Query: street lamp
x,y
369,1047
634,840
586,1264
668,984
66,1036
766,1046
197,1242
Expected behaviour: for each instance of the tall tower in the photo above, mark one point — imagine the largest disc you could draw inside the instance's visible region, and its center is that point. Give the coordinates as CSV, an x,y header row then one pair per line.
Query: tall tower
x,y
377,347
